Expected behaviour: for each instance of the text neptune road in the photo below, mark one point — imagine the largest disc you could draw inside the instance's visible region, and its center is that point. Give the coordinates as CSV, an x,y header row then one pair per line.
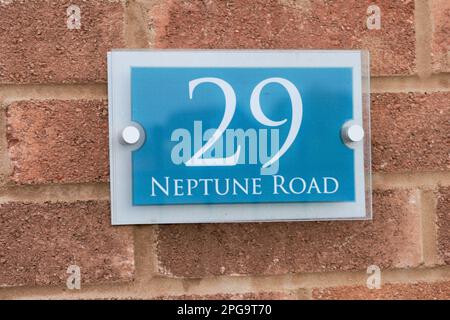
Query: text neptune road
x,y
245,186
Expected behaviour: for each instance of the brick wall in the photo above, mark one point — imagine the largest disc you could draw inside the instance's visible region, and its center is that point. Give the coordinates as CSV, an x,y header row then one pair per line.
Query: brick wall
x,y
54,194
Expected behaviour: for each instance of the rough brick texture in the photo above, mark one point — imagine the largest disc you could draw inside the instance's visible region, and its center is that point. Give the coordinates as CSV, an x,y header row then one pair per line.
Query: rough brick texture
x,y
443,223
58,141
440,12
37,47
291,295
40,241
413,291
291,24
411,132
392,239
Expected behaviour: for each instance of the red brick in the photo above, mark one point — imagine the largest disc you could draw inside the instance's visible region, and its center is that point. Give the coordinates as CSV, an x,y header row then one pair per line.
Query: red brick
x,y
58,141
443,223
290,295
412,291
36,46
291,24
410,132
440,45
40,241
391,240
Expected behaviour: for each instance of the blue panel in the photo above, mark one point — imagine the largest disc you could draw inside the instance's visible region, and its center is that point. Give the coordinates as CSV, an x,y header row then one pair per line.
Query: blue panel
x,y
318,166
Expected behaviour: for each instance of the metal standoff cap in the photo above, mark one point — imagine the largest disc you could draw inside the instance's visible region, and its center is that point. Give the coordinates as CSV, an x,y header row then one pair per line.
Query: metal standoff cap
x,y
130,135
353,133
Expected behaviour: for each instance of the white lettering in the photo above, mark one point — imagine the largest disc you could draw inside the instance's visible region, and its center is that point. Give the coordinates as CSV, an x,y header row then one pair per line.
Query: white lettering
x,y
164,190
278,185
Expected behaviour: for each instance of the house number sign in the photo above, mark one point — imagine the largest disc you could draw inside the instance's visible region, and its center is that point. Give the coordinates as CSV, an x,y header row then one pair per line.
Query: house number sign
x,y
236,136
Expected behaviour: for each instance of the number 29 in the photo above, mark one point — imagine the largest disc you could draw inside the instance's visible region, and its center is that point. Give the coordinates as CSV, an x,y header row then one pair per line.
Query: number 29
x,y
258,114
